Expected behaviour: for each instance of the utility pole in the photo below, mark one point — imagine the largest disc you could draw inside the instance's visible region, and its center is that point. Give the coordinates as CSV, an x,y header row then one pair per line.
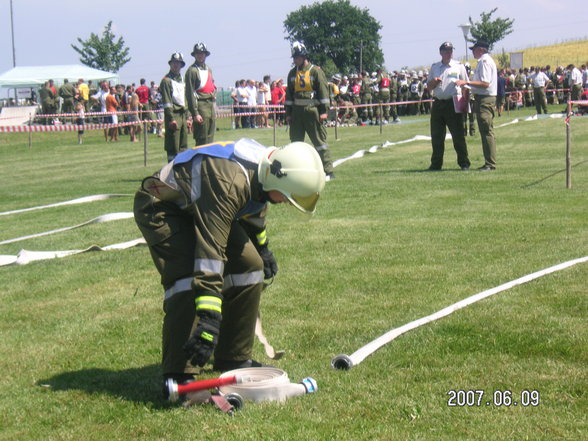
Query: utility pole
x,y
360,56
12,30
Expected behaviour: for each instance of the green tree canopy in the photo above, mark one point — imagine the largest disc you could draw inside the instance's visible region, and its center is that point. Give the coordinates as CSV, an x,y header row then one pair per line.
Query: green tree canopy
x,y
490,30
337,33
103,53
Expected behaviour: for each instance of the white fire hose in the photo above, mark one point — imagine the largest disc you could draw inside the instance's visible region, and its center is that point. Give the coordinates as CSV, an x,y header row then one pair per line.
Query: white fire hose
x,y
236,386
264,384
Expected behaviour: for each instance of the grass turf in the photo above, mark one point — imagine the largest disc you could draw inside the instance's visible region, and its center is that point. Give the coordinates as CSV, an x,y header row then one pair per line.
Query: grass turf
x,y
389,244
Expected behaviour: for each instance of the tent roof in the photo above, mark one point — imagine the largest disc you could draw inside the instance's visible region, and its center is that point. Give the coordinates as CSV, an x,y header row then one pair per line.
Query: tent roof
x,y
34,76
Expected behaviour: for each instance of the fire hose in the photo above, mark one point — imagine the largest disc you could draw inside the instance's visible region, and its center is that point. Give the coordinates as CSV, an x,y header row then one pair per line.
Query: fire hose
x,y
236,386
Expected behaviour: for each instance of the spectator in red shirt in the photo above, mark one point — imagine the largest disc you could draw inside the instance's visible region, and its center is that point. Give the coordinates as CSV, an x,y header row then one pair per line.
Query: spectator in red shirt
x,y
278,97
144,95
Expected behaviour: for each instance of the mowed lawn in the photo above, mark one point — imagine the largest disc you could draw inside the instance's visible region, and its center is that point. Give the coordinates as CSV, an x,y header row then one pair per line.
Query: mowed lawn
x,y
80,335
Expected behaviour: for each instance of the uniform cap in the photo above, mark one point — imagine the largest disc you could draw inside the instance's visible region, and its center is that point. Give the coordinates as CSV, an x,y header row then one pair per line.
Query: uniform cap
x,y
481,43
446,46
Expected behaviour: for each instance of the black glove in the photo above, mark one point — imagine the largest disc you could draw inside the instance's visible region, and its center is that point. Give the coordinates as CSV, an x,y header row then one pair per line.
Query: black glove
x,y
270,266
200,346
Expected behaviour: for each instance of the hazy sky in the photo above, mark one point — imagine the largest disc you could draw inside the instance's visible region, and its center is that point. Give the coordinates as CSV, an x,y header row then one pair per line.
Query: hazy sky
x,y
246,39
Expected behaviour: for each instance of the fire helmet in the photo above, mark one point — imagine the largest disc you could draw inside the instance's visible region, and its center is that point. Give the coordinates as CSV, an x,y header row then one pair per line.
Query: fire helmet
x,y
299,50
296,171
177,56
200,47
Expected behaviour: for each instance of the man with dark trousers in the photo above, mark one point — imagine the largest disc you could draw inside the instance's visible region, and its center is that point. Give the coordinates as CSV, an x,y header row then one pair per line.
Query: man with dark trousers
x,y
203,218
307,103
442,83
200,95
173,97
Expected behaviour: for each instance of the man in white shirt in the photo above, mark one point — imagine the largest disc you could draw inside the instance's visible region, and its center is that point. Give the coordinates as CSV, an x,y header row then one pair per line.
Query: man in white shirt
x,y
242,99
252,102
540,81
575,82
484,85
443,77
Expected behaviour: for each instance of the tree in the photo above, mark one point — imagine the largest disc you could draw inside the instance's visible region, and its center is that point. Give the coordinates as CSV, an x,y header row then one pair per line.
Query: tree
x,y
491,31
337,33
103,53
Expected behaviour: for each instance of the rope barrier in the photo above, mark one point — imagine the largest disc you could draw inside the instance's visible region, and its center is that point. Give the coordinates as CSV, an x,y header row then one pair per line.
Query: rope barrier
x,y
222,111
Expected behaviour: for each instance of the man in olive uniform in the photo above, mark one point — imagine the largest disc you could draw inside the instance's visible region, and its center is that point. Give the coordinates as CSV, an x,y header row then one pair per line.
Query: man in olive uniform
x,y
306,105
202,216
355,96
384,85
173,97
67,92
334,96
484,86
366,96
45,96
200,95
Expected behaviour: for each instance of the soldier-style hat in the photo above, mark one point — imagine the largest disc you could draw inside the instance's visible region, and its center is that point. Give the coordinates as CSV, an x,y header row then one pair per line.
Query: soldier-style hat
x,y
447,46
481,43
198,48
177,56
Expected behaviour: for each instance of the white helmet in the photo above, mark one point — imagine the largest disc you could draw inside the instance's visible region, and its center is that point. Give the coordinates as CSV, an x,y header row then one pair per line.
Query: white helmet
x,y
296,171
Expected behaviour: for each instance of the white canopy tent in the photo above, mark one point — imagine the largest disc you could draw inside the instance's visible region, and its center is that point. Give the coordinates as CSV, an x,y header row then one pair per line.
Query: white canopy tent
x,y
35,76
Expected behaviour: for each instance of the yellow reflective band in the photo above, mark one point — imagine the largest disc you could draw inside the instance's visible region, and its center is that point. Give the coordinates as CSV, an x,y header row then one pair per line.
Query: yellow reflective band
x,y
221,143
206,336
262,237
209,302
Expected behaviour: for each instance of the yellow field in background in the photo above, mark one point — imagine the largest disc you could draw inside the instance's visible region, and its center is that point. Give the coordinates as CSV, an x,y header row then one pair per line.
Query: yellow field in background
x,y
562,54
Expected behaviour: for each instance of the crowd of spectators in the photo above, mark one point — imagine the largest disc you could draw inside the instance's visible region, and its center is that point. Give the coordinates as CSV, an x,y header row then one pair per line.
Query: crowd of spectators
x,y
119,103
355,98
252,101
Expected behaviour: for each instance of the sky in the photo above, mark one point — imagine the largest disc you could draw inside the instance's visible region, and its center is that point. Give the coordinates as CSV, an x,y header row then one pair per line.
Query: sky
x,y
247,39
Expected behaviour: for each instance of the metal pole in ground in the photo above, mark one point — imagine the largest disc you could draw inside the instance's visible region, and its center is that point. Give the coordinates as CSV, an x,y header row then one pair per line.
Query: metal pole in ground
x,y
568,148
380,116
336,121
145,144
30,130
275,124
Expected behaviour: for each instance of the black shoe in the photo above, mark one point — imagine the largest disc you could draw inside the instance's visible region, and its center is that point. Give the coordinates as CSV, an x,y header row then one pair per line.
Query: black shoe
x,y
431,168
486,168
465,167
229,365
330,176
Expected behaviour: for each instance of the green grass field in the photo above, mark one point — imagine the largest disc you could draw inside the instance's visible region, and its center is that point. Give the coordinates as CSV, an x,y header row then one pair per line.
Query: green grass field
x,y
80,336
